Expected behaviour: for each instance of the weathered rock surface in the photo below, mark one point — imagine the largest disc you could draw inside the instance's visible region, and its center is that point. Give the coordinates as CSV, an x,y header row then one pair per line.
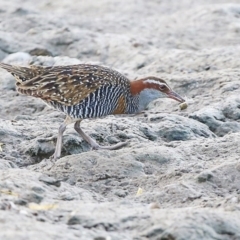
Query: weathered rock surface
x,y
178,177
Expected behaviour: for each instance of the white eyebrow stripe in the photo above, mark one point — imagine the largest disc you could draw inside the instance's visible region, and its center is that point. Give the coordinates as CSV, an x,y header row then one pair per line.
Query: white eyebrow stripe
x,y
155,82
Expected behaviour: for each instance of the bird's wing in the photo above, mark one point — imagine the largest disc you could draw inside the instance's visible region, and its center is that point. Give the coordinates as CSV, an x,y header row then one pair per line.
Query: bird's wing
x,y
67,85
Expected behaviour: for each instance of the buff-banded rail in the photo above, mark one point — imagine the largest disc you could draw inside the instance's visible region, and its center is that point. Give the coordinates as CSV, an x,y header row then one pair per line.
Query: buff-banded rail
x,y
88,91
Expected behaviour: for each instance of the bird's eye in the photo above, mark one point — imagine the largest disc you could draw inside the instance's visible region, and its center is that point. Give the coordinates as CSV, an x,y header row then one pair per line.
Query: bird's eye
x,y
162,88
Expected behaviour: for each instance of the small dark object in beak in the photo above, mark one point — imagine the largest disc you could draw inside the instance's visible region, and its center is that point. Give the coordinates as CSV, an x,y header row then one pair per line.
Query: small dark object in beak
x,y
175,96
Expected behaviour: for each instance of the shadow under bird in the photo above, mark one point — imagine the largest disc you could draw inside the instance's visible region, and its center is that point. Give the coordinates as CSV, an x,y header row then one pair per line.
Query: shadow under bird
x,y
87,91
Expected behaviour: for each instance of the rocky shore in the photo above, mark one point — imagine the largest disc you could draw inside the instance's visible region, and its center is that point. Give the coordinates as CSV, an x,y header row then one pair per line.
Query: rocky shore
x,y
179,176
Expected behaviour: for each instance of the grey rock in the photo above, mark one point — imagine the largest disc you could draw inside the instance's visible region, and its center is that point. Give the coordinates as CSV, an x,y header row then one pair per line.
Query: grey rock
x,y
23,202
100,238
232,86
50,180
56,61
217,119
18,58
121,193
4,164
38,189
178,177
7,81
24,117
156,154
227,127
210,116
73,144
204,176
7,128
40,52
211,229
2,55
148,133
66,196
74,220
231,107
175,128
39,148
27,230
31,197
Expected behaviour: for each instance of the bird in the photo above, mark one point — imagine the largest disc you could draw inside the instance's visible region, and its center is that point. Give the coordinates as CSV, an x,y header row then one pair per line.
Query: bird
x,y
86,91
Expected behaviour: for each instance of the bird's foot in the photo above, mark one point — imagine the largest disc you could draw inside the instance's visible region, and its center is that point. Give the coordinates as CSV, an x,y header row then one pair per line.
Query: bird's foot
x,y
95,146
93,143
54,157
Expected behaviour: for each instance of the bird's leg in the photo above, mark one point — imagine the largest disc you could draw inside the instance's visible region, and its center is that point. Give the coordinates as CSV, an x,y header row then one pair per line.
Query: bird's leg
x,y
62,128
93,143
58,148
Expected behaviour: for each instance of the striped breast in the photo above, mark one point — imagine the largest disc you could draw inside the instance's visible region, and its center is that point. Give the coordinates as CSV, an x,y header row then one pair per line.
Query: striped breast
x,y
106,100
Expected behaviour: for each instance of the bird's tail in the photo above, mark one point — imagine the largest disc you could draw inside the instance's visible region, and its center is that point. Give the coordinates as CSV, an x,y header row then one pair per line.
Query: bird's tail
x,y
20,73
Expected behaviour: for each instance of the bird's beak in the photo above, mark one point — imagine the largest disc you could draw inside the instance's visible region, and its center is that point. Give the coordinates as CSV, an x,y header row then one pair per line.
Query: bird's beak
x,y
175,96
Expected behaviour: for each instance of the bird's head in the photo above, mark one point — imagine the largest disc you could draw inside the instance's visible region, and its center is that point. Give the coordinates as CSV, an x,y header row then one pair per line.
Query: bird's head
x,y
151,88
161,86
